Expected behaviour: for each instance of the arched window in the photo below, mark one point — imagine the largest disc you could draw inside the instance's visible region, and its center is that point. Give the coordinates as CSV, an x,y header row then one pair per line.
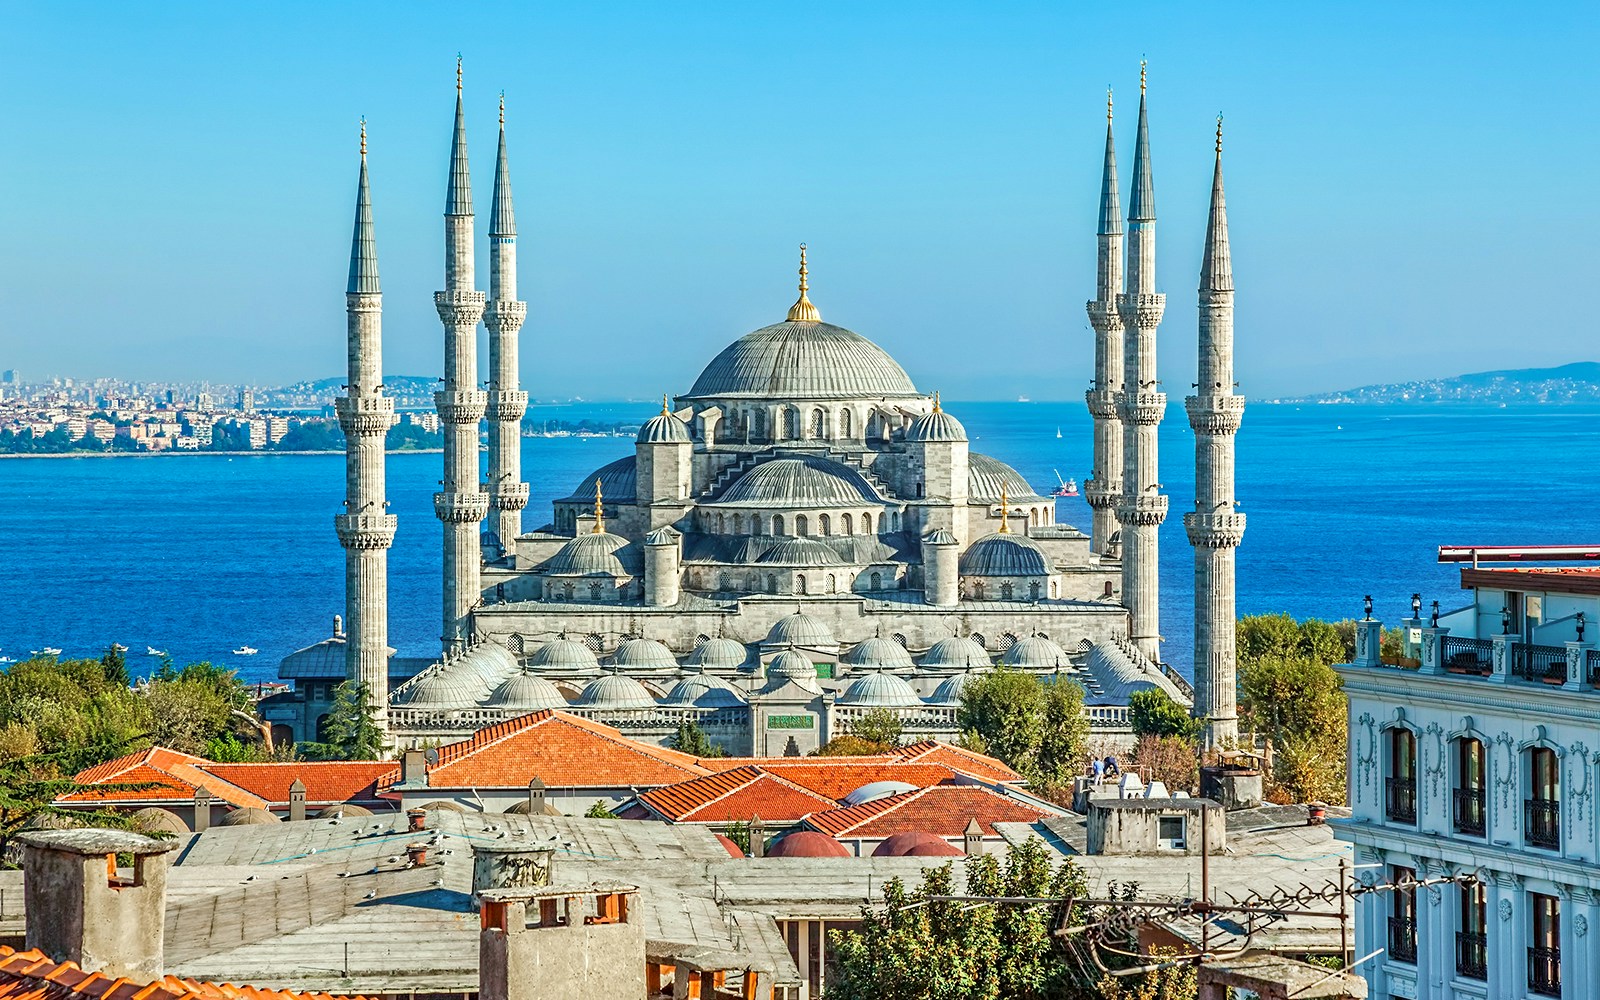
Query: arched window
x,y
1468,806
817,422
977,590
777,524
1543,804
823,525
755,524
515,644
738,524
844,423
1400,784
757,423
566,591
1054,591
833,584
801,528
772,583
901,639
978,638
1005,591
877,581
1033,516
725,582
594,592
722,524
794,423
799,583
1033,591
750,582
894,519
845,527
866,524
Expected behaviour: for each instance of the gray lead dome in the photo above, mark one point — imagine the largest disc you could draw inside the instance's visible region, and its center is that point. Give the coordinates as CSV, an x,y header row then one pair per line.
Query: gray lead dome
x,y
802,361
1004,555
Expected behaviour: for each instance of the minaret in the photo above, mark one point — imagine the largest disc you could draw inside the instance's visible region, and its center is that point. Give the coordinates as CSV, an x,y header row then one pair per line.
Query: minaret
x,y
365,529
461,403
1214,528
1104,488
1140,405
508,494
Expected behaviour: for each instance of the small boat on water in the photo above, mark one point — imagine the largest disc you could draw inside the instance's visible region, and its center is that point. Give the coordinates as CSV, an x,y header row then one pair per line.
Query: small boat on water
x,y
1068,487
1058,434
6,659
246,651
152,651
119,647
46,651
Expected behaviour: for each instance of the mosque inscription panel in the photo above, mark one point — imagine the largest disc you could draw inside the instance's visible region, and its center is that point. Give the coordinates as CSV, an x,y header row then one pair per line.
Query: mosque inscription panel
x,y
791,721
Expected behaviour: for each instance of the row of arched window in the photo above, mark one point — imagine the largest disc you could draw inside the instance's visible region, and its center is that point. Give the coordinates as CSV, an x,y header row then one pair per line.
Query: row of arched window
x,y
847,523
813,423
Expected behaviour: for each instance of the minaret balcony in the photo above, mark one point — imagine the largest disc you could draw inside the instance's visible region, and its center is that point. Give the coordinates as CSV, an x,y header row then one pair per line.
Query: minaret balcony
x,y
507,496
463,307
507,404
1102,495
1142,310
504,315
1215,414
461,407
364,415
1224,530
1144,509
365,531
461,508
1144,408
1102,403
1103,316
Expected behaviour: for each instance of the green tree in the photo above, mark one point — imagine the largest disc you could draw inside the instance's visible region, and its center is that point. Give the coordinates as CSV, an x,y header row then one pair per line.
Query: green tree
x,y
1152,712
30,786
1037,728
185,715
115,666
880,726
599,811
1289,692
349,732
691,739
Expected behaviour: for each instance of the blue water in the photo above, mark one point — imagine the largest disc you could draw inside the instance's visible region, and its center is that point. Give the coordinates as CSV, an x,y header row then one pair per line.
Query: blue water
x,y
200,554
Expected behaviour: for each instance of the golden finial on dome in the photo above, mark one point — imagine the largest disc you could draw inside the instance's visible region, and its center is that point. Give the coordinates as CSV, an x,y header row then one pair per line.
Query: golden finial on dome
x,y
363,137
1219,133
1005,515
803,311
458,74
936,407
665,412
599,510
1142,65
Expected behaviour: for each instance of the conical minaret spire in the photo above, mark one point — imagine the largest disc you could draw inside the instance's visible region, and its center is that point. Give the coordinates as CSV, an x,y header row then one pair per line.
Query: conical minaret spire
x,y
1214,528
365,529
1141,405
1104,488
508,494
461,404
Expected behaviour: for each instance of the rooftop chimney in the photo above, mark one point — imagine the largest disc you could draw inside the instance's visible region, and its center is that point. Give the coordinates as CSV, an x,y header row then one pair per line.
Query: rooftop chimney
x,y
972,838
81,908
535,797
297,800
561,941
338,626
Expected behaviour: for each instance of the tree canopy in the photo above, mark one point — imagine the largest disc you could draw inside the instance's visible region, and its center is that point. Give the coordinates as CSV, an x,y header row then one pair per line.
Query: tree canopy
x,y
1038,727
349,732
880,726
1152,712
1289,692
691,739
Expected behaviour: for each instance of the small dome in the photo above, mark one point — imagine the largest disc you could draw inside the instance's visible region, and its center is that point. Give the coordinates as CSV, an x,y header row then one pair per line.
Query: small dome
x,y
800,629
878,652
940,536
521,809
936,427
802,360
152,819
703,691
915,844
565,656
526,693
664,428
949,690
613,692
1004,554
808,481
956,653
341,810
644,654
439,687
665,535
734,850
443,805
1035,653
489,662
801,552
878,690
987,476
598,553
249,817
719,654
807,844
792,665
874,790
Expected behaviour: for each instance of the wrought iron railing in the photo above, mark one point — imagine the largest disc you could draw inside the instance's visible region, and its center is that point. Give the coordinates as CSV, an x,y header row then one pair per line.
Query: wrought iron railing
x,y
1591,666
1403,939
1539,663
1401,802
1467,655
1468,811
1542,822
1472,955
1544,971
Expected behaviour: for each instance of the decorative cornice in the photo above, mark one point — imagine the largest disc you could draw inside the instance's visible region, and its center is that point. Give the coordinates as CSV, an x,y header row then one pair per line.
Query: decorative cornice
x,y
1215,414
1142,408
365,531
460,508
1144,509
461,407
1214,531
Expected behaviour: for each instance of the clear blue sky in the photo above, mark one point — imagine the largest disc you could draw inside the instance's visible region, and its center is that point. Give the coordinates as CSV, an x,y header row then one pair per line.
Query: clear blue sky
x,y
1413,189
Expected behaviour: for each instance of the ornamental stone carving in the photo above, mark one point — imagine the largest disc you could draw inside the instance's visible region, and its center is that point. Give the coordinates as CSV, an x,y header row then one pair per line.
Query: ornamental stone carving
x,y
1142,408
365,531
1221,414
1102,495
506,405
1145,509
1102,403
461,407
510,496
461,508
1580,925
504,315
363,302
364,415
460,308
1143,311
1366,762
1103,316
1505,909
1214,531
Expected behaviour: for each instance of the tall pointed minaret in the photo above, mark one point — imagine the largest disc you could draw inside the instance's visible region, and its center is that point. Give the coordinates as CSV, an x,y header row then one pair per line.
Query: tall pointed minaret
x,y
365,529
508,494
1104,488
461,404
1215,529
1141,405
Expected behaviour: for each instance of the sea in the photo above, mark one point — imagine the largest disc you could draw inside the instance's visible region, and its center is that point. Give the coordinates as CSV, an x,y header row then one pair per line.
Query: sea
x,y
201,555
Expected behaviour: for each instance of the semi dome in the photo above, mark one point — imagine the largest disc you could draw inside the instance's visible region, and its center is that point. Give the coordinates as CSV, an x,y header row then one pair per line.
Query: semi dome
x,y
801,552
341,810
987,476
803,481
808,844
792,665
489,662
644,654
878,690
614,691
936,427
1004,554
879,652
958,653
703,691
719,654
800,629
564,655
526,693
155,820
802,360
617,479
1035,653
598,553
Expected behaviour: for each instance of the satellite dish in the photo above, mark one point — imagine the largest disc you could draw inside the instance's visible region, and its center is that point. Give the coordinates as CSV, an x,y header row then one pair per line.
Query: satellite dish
x,y
431,756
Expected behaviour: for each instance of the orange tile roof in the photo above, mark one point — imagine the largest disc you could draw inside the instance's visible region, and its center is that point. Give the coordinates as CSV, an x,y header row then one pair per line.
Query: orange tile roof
x,y
739,794
838,777
29,975
946,755
942,810
176,775
563,751
327,781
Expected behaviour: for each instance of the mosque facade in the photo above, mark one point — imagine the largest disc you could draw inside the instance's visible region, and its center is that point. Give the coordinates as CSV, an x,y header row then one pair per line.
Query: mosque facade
x,y
801,537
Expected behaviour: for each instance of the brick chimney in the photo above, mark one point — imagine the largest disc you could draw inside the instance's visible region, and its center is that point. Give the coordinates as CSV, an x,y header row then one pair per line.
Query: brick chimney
x,y
82,908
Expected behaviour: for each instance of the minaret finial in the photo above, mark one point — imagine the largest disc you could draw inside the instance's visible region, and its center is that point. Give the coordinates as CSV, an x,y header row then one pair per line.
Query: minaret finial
x,y
1005,515
599,510
665,411
363,137
803,311
1219,133
1143,65
936,406
458,73
502,111
1108,104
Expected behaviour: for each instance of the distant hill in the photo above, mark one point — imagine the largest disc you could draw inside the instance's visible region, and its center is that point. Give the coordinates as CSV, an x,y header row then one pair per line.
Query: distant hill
x,y
405,390
1575,383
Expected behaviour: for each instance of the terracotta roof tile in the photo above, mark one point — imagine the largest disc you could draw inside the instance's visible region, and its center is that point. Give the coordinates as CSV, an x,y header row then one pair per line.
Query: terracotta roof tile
x,y
327,782
836,777
563,751
739,794
942,810
177,774
29,975
966,761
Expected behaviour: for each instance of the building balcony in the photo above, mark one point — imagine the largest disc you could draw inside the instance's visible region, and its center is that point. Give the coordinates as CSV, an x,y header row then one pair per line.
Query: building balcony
x,y
1541,826
1403,940
1544,971
1467,811
1461,655
1541,664
1400,800
1472,955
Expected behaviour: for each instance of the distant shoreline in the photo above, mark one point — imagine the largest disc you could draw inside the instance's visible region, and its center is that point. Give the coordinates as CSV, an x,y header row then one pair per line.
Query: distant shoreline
x,y
190,454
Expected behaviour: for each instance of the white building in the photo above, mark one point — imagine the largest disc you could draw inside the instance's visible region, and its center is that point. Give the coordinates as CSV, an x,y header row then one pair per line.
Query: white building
x,y
1476,750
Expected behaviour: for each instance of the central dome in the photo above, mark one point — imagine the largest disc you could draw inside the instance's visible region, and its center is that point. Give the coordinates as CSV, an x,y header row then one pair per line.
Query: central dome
x,y
802,360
